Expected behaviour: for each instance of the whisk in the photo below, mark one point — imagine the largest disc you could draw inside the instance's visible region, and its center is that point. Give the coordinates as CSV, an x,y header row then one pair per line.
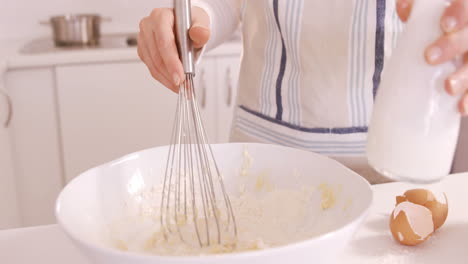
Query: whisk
x,y
194,197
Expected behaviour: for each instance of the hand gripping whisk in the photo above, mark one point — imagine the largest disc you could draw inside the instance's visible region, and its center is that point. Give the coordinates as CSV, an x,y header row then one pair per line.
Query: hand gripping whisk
x,y
194,199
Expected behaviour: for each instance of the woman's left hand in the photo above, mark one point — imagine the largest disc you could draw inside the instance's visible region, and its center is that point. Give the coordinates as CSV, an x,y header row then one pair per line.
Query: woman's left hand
x,y
453,43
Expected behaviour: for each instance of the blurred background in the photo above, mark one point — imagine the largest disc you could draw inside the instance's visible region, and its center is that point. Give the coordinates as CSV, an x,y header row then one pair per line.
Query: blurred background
x,y
20,18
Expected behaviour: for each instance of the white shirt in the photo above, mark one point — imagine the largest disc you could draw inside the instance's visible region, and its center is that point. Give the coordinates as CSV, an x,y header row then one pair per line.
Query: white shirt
x,y
309,71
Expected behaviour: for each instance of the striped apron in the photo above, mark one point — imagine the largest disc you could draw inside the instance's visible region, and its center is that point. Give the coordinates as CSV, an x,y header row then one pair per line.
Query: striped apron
x,y
309,73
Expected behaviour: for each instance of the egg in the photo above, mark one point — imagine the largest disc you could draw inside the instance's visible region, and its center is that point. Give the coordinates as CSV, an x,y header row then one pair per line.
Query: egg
x,y
438,207
411,224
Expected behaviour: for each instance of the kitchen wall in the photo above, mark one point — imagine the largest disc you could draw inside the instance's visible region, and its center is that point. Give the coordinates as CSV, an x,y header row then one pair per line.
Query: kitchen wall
x,y
25,14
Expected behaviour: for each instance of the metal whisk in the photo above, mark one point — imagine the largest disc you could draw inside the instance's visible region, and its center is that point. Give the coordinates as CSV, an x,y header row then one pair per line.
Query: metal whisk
x,y
194,197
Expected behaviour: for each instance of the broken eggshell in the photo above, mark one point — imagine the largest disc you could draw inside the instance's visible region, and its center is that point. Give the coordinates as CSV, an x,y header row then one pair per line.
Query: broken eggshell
x,y
426,198
411,224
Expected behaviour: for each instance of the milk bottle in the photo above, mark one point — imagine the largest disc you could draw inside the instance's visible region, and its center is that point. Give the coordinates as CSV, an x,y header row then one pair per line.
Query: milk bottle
x,y
414,126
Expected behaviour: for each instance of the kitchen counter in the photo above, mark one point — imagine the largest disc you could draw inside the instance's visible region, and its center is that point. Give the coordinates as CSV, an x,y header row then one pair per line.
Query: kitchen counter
x,y
371,244
23,53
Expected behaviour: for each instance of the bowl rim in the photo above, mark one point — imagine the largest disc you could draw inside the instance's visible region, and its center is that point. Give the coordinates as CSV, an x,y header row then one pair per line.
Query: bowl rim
x,y
235,255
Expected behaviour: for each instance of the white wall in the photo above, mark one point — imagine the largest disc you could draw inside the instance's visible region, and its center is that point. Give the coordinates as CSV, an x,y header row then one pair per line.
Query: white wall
x,y
19,18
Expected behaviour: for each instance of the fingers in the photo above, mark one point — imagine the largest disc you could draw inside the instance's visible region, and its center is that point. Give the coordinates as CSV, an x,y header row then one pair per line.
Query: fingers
x,y
156,50
199,32
404,8
165,43
455,16
149,48
156,73
454,23
157,46
164,80
447,47
463,105
199,36
457,83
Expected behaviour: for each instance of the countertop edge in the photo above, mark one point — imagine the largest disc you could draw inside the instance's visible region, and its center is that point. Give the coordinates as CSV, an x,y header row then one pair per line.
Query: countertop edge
x,y
14,60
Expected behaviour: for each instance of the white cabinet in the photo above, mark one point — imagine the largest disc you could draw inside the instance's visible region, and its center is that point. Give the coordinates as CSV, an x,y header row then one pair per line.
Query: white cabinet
x,y
109,110
9,217
34,137
8,203
205,91
227,74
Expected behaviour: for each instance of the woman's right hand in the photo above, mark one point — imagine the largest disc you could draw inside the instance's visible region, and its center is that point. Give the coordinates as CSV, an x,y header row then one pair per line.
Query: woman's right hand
x,y
157,47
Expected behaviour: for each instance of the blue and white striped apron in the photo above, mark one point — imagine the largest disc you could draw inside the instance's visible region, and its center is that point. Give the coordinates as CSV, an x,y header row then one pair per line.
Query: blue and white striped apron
x,y
309,73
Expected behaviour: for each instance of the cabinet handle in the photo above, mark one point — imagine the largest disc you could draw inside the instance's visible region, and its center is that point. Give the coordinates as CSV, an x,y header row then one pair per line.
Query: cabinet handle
x,y
9,107
229,87
203,89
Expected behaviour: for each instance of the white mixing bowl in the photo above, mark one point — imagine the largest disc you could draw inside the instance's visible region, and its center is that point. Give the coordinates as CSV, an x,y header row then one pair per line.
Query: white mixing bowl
x,y
90,202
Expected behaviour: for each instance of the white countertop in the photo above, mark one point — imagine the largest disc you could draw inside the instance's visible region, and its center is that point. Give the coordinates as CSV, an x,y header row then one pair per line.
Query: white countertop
x,y
14,58
371,244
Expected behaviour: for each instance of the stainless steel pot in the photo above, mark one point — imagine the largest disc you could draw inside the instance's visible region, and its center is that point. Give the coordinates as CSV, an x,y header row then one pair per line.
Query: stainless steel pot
x,y
76,29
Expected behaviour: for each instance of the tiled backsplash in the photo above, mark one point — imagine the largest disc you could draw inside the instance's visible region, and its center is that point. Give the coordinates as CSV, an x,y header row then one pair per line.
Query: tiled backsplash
x,y
19,19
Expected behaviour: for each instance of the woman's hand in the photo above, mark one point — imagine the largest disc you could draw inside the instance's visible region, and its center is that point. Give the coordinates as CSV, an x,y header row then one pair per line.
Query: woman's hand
x,y
157,47
453,43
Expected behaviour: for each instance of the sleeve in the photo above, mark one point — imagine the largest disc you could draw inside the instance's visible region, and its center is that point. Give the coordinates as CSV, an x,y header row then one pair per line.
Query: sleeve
x,y
224,19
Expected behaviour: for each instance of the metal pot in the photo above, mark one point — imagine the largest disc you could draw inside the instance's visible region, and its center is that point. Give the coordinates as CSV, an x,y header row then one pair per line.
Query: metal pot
x,y
76,29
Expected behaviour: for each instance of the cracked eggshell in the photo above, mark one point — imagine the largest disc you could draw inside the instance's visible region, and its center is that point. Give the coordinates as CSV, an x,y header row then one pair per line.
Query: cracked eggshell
x,y
399,199
419,196
411,224
437,205
439,211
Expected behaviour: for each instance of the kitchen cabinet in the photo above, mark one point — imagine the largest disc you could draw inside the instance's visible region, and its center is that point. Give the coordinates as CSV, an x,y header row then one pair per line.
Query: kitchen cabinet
x,y
205,91
109,110
104,115
35,145
8,202
227,74
9,217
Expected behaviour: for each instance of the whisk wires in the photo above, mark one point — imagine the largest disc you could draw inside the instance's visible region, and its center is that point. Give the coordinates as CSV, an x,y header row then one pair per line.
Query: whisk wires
x,y
194,198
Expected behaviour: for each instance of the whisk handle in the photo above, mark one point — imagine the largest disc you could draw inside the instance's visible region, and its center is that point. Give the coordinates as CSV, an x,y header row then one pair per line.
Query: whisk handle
x,y
183,19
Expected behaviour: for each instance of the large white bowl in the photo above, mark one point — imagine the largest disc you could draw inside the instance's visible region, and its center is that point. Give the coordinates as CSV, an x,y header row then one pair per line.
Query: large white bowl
x,y
88,203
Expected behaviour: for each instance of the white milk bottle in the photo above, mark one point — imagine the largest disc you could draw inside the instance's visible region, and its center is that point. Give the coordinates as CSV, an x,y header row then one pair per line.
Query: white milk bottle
x,y
414,126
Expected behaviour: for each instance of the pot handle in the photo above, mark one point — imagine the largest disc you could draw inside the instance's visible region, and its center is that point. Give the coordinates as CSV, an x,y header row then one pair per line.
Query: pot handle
x,y
44,22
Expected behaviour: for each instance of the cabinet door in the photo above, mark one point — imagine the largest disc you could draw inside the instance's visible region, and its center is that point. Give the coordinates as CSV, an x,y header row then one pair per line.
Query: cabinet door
x,y
228,74
205,88
36,151
8,203
109,110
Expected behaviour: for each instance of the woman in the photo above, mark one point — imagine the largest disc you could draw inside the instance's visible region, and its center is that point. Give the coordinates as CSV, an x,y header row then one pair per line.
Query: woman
x,y
310,68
